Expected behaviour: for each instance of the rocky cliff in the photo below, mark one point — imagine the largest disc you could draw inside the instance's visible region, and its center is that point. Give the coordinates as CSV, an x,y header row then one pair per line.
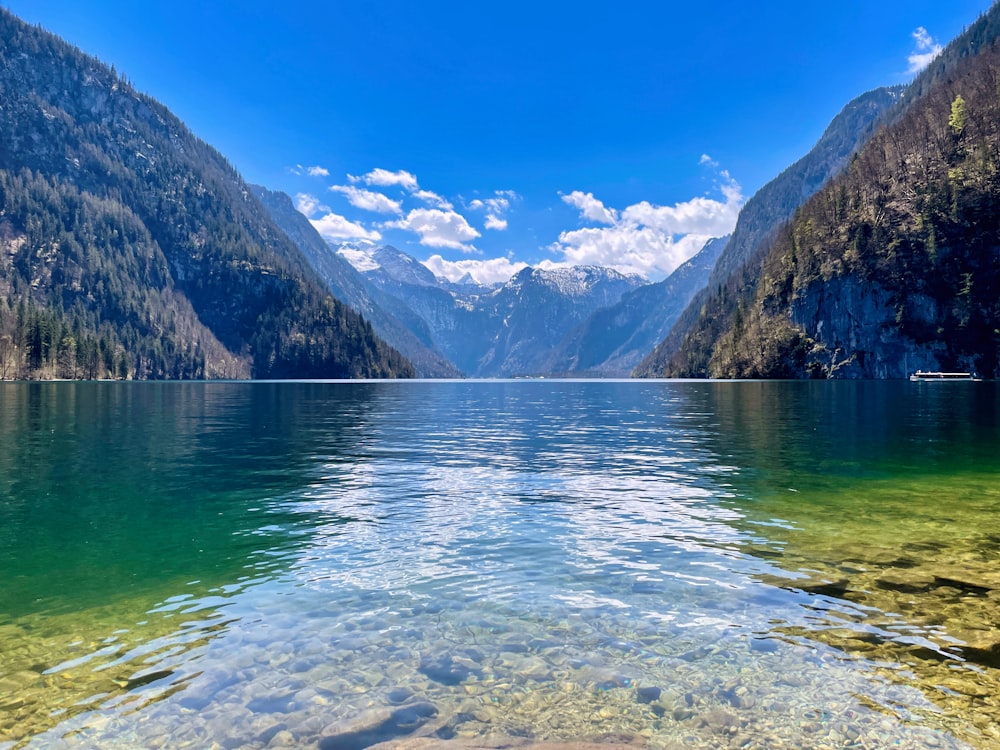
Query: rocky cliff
x,y
887,269
895,265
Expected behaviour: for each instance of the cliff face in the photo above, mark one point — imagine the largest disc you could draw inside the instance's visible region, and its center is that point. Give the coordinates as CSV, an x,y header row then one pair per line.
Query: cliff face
x,y
686,348
894,266
890,267
855,333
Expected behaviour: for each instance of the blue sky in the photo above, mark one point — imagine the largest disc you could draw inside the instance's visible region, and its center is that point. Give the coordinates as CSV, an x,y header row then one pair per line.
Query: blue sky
x,y
482,136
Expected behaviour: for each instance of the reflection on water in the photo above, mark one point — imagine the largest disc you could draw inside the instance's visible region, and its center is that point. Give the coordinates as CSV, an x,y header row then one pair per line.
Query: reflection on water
x,y
337,565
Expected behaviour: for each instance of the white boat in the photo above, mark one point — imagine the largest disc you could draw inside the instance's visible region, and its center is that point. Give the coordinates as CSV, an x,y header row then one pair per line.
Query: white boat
x,y
933,377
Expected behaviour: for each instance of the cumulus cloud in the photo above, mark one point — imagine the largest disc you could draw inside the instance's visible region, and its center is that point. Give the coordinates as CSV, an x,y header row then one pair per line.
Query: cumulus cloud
x,y
385,178
309,205
438,228
491,271
643,238
335,227
298,169
591,208
495,223
331,225
696,216
432,199
630,249
368,200
926,50
437,225
495,207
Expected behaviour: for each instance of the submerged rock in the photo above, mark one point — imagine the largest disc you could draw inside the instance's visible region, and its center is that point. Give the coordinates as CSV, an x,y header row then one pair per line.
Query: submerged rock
x,y
428,743
648,694
399,695
906,581
449,670
377,726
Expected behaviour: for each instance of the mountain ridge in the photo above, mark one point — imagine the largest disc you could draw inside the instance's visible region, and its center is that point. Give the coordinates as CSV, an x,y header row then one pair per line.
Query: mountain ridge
x,y
135,250
763,213
492,330
351,287
689,349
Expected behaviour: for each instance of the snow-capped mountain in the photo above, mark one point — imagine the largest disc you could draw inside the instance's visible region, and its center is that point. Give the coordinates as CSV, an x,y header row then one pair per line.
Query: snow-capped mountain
x,y
491,330
614,339
387,316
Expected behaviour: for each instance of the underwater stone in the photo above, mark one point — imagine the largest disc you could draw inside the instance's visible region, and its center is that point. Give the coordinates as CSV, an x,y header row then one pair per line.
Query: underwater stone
x,y
270,704
377,726
399,695
446,670
411,716
906,581
648,694
834,589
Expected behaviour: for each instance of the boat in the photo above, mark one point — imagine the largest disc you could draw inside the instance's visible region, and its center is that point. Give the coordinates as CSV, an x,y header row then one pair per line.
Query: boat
x,y
933,377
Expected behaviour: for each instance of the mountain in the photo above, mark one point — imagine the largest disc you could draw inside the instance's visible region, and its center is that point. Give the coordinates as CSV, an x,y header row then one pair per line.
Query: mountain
x,y
537,308
682,352
894,265
133,249
499,330
613,340
350,287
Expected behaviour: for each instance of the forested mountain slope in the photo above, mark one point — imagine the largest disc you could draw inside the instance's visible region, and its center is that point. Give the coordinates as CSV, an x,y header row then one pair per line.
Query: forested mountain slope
x,y
132,249
350,287
895,266
683,352
713,338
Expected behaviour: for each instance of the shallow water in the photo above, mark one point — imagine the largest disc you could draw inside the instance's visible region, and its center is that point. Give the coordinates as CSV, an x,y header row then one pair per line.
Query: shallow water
x,y
339,564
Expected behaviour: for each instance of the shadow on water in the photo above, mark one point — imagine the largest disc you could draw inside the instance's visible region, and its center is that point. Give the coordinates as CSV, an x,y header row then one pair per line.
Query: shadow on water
x,y
877,500
131,513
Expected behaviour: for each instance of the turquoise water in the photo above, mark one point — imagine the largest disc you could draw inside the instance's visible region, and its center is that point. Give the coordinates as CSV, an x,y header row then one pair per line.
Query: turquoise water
x,y
336,565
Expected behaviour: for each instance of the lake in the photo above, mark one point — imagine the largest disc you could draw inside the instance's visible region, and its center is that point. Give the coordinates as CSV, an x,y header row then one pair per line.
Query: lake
x,y
335,565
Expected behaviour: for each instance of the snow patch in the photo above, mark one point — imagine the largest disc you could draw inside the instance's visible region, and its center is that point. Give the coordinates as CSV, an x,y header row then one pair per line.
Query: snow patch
x,y
362,260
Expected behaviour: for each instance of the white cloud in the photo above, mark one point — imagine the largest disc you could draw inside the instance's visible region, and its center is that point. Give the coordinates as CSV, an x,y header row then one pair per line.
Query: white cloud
x,y
438,228
437,225
630,249
926,50
309,205
490,271
591,208
385,178
709,161
336,227
432,199
496,208
318,171
643,238
495,223
696,216
368,200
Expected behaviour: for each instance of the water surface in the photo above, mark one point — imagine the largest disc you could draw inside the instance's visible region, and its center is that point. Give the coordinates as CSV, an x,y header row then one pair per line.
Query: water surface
x,y
338,564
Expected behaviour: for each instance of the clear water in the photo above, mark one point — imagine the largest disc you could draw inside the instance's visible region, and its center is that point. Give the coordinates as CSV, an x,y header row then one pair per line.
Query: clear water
x,y
335,565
